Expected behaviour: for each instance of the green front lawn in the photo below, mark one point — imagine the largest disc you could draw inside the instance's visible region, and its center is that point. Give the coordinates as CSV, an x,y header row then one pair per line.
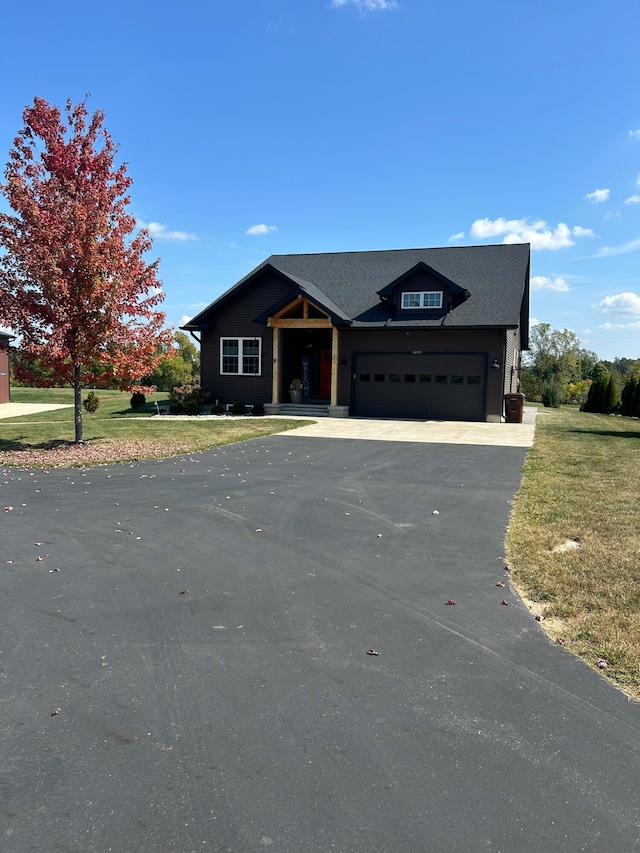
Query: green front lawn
x,y
580,494
115,433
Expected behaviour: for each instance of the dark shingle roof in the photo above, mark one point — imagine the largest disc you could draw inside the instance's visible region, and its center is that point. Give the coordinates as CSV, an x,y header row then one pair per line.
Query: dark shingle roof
x,y
348,283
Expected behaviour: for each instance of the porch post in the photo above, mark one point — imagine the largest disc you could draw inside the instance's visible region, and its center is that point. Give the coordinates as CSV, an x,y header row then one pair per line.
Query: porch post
x,y
334,366
275,392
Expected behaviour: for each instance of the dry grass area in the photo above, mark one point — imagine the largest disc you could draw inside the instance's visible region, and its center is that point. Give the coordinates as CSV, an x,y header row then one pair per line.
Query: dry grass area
x,y
573,543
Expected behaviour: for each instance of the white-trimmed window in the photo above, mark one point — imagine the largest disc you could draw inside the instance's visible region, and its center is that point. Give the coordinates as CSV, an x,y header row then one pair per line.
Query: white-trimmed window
x,y
422,299
241,356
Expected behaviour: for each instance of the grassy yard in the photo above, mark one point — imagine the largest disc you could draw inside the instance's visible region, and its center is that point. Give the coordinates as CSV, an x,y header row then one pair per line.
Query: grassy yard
x,y
573,543
115,433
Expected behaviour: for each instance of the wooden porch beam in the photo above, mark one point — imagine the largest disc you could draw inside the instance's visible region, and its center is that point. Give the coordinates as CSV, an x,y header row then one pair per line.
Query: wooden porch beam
x,y
334,366
275,389
299,323
286,308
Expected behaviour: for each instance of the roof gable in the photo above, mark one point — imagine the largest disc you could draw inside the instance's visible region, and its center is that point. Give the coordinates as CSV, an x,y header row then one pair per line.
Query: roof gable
x,y
421,266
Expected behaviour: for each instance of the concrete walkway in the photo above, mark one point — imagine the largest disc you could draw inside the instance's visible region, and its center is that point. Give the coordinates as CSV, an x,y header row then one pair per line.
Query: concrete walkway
x,y
16,410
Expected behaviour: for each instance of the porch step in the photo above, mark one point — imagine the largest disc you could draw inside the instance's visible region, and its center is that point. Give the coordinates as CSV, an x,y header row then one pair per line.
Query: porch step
x,y
302,409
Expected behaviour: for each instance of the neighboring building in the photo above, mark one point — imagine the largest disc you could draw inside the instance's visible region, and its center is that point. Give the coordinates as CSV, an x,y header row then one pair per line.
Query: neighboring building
x,y
409,333
4,366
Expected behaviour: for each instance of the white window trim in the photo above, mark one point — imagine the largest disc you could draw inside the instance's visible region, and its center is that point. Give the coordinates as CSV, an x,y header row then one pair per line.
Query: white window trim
x,y
423,296
240,342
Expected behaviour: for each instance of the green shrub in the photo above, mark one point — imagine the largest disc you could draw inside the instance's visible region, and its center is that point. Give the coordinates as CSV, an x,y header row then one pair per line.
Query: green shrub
x,y
91,402
217,409
551,394
238,409
187,399
138,400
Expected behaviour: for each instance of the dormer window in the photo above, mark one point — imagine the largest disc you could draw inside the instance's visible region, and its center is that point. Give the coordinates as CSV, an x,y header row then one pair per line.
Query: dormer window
x,y
422,299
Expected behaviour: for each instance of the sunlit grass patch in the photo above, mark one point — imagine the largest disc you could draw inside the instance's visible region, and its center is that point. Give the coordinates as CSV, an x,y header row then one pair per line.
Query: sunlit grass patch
x,y
581,483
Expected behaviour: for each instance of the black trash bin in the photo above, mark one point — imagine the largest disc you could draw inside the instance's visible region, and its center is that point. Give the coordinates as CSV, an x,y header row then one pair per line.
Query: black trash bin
x,y
513,408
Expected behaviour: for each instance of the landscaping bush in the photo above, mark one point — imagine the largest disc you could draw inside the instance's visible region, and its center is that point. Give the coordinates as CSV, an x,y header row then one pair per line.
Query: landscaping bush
x,y
91,402
217,409
138,400
238,409
187,399
551,394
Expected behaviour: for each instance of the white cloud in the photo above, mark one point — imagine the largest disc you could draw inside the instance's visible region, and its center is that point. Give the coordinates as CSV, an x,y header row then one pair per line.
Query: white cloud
x,y
623,249
633,199
634,134
598,196
621,303
611,327
261,229
184,319
366,5
543,282
612,214
455,237
579,231
533,321
536,232
160,232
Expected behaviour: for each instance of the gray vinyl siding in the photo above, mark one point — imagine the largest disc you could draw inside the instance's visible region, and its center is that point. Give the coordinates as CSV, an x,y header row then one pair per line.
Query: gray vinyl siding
x,y
491,342
511,361
235,319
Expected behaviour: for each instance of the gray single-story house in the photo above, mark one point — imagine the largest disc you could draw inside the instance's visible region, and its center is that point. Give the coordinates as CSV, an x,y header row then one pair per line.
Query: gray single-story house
x,y
408,333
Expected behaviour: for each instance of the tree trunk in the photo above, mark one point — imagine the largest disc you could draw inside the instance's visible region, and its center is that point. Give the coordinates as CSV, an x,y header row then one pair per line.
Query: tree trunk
x,y
77,403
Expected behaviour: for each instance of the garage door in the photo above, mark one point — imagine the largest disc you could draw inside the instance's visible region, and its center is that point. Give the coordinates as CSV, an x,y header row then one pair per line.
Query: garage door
x,y
447,386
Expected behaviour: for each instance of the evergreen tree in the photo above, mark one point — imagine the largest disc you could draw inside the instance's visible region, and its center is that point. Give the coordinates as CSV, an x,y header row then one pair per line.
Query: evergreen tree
x,y
628,396
599,394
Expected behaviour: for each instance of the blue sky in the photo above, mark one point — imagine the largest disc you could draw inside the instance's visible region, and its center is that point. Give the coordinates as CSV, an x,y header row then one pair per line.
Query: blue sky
x,y
281,126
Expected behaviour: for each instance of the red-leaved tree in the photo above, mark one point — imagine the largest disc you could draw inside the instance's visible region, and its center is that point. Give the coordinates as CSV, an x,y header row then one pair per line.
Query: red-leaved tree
x,y
73,280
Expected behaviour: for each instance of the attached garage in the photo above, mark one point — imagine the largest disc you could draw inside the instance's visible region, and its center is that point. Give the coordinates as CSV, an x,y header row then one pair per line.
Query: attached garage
x,y
430,386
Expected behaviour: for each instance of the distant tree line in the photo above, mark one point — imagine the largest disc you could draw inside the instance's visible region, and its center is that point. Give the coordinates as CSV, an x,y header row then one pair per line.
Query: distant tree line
x,y
557,369
180,366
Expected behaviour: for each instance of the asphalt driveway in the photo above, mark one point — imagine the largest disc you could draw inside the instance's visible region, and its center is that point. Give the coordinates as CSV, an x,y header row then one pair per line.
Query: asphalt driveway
x,y
184,662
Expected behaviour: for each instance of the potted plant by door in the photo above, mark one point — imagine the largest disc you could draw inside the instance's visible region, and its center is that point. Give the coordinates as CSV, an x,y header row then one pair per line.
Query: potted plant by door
x,y
295,391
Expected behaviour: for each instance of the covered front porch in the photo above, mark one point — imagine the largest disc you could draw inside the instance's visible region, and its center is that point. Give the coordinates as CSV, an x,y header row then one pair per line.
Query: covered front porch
x,y
306,349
